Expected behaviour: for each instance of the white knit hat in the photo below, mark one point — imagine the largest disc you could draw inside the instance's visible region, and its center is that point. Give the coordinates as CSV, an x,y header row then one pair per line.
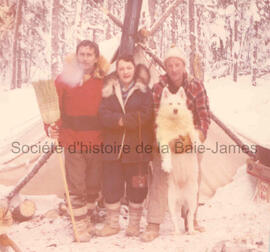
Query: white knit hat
x,y
174,52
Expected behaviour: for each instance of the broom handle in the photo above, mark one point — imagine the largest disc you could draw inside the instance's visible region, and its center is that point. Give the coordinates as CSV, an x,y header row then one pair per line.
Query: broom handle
x,y
67,194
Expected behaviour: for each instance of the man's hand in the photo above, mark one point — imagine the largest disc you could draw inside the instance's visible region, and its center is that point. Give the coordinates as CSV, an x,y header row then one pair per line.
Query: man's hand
x,y
185,141
201,136
53,131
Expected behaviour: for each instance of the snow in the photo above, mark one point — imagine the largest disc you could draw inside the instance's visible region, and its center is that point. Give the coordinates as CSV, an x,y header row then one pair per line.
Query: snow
x,y
237,219
109,47
19,110
243,107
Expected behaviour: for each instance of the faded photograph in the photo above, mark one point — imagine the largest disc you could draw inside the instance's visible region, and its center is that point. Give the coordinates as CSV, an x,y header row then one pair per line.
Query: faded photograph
x,y
135,125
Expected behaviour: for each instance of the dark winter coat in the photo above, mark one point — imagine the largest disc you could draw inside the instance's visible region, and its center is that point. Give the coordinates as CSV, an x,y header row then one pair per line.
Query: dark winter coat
x,y
136,110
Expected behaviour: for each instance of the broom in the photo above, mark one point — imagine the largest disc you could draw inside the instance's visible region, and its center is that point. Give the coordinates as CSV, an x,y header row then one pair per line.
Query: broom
x,y
47,99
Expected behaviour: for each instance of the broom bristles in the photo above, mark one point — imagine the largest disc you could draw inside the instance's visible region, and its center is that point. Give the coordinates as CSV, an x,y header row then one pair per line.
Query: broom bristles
x,y
47,99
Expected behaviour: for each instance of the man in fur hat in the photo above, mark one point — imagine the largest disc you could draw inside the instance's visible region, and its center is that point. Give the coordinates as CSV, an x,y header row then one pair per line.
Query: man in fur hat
x,y
197,101
79,88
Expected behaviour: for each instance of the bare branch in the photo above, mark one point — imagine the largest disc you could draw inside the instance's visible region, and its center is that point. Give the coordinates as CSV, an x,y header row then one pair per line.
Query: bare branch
x,y
112,17
151,54
107,13
156,25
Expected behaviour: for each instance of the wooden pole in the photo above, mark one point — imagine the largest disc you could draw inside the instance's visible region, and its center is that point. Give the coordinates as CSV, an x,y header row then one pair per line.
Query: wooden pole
x,y
130,27
62,167
36,167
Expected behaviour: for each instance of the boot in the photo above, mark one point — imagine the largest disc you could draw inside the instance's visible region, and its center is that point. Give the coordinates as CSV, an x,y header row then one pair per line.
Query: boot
x,y
82,230
111,226
151,232
82,223
135,214
90,224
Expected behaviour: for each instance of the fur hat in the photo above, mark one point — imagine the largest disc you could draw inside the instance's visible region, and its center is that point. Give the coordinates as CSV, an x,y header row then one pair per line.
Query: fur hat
x,y
174,52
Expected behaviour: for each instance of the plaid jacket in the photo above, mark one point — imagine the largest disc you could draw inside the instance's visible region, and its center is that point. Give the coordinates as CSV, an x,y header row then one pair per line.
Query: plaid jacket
x,y
197,99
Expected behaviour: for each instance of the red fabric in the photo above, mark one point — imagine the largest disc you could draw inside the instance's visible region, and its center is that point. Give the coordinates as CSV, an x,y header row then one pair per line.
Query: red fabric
x,y
79,101
197,100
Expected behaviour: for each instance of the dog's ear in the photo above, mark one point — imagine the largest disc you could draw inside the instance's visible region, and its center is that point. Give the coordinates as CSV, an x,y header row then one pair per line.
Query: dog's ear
x,y
165,93
181,93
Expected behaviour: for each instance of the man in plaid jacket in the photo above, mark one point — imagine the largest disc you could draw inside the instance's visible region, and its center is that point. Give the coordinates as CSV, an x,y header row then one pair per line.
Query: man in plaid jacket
x,y
197,101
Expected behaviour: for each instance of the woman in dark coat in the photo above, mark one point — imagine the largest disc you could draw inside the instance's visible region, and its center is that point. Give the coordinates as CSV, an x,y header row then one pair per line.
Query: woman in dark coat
x,y
126,113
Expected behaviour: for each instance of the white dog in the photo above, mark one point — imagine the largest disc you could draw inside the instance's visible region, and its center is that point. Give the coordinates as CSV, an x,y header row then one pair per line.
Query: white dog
x,y
174,119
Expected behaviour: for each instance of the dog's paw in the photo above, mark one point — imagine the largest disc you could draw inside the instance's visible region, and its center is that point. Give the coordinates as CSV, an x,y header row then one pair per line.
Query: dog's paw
x,y
199,228
192,232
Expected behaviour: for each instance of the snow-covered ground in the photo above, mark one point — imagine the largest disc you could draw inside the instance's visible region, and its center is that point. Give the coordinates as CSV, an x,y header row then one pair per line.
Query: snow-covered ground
x,y
19,110
231,219
243,107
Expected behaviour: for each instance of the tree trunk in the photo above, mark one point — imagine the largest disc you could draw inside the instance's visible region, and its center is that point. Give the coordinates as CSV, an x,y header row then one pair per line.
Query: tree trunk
x,y
78,22
94,35
130,27
236,43
14,46
54,37
230,45
25,211
152,5
200,49
174,27
19,66
191,36
254,55
108,24
26,66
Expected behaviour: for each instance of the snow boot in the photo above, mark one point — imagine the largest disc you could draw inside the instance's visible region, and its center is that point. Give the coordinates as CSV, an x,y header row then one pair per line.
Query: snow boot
x,y
135,214
82,230
85,228
111,226
90,225
151,232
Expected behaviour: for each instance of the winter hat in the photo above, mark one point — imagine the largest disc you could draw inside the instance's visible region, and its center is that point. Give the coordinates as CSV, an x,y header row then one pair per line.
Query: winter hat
x,y
174,52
